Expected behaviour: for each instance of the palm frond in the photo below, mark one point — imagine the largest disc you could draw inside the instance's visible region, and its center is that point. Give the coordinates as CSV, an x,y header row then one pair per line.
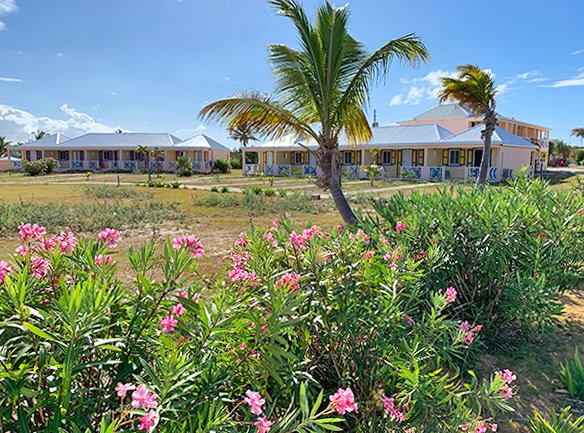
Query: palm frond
x,y
578,132
472,87
260,112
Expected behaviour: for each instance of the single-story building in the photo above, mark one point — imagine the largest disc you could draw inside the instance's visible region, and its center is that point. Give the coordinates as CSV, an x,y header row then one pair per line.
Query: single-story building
x,y
117,151
428,152
6,162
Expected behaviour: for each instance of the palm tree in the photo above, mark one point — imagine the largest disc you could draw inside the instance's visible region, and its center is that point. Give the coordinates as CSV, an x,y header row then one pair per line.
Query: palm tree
x,y
578,132
475,89
4,143
39,134
321,89
157,154
145,150
242,133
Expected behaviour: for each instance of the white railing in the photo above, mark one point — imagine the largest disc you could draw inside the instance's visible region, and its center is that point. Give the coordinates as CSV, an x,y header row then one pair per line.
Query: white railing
x,y
473,173
251,169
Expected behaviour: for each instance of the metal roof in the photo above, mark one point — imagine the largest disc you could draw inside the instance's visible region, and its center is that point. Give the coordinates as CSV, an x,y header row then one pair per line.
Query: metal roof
x,y
382,136
201,141
500,137
446,110
125,140
47,142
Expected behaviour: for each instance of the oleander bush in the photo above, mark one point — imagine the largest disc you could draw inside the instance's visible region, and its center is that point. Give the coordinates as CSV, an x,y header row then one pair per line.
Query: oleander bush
x,y
41,167
221,166
305,331
511,252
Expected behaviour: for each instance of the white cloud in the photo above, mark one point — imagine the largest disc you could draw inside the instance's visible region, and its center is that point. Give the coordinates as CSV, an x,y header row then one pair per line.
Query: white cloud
x,y
426,87
577,80
576,52
502,88
191,131
60,54
17,124
111,92
10,80
6,7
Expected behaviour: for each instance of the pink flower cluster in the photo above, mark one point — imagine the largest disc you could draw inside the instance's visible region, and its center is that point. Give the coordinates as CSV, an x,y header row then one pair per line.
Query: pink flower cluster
x,y
110,236
100,260
289,281
343,401
4,270
391,409
39,267
468,332
360,236
190,243
393,257
450,295
65,240
507,377
301,240
242,241
142,398
255,402
239,274
31,232
269,236
400,226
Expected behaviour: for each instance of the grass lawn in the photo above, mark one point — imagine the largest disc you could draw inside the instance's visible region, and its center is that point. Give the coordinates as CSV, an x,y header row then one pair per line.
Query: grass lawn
x,y
537,363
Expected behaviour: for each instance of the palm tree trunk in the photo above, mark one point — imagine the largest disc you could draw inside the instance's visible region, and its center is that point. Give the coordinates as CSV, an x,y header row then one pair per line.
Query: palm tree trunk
x,y
490,124
330,179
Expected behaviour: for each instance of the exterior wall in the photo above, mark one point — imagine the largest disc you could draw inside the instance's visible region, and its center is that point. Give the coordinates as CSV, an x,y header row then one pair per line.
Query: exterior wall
x,y
452,124
515,158
5,165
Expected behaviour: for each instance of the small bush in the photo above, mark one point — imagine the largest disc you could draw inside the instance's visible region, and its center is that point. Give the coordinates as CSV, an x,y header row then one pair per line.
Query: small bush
x,y
573,376
235,163
108,192
256,190
579,156
224,189
269,192
214,188
562,423
221,166
282,192
41,167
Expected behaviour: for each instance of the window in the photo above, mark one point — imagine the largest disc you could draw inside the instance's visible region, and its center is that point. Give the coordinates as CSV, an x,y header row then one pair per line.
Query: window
x,y
297,158
39,154
64,155
454,157
347,156
27,155
477,156
386,157
108,155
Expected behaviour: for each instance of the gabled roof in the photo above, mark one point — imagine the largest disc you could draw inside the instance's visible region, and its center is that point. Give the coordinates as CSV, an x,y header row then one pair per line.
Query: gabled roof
x,y
201,141
382,136
47,142
446,111
125,140
500,137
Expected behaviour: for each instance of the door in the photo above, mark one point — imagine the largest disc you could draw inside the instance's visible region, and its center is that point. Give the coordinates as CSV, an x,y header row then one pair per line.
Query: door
x,y
477,157
407,158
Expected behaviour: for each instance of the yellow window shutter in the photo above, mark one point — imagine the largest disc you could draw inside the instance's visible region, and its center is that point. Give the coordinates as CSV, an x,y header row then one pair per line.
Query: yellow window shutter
x,y
292,154
462,154
445,157
352,158
264,157
393,157
421,157
414,158
306,158
399,157
359,158
469,157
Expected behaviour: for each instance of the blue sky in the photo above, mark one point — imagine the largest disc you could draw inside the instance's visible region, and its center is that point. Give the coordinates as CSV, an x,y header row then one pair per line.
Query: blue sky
x,y
149,65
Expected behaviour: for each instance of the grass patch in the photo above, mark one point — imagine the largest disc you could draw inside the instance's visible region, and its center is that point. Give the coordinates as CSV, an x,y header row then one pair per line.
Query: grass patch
x,y
99,192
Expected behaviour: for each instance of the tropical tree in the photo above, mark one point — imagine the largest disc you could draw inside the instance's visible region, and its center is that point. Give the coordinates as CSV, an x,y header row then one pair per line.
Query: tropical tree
x,y
560,148
145,150
321,89
475,88
157,154
4,143
39,134
242,133
578,132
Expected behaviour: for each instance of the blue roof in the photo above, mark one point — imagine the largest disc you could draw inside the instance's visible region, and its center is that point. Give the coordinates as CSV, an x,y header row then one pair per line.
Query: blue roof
x,y
500,137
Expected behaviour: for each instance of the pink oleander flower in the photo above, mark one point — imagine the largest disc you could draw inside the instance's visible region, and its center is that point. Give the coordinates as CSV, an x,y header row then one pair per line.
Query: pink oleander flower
x,y
399,226
368,255
409,320
263,425
481,428
255,402
507,392
38,267
21,250
270,237
148,421
191,243
298,240
581,211
183,294
384,241
143,398
464,326
343,401
178,309
393,266
123,388
506,376
290,281
242,241
168,323
4,270
450,295
421,255
65,240
468,338
110,236
390,408
494,427
275,225
387,257
197,297
100,260
464,427
31,231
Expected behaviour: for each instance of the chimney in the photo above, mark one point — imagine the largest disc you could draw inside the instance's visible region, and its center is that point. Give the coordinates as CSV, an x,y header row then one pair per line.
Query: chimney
x,y
375,123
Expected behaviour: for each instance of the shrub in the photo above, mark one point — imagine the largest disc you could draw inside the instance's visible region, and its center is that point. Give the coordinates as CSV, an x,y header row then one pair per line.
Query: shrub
x,y
512,251
224,189
573,376
318,329
214,188
221,166
255,190
235,163
579,156
184,167
41,167
562,423
269,192
113,193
